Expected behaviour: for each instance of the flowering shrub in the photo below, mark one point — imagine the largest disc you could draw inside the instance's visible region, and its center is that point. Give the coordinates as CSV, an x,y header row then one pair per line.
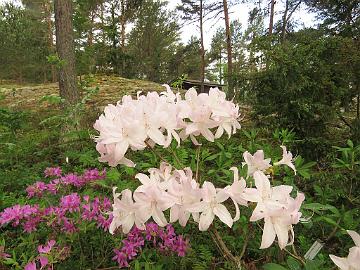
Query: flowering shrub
x,y
182,192
71,208
164,240
143,121
69,214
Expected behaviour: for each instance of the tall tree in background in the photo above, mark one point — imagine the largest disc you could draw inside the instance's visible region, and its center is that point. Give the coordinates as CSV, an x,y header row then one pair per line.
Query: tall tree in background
x,y
152,41
229,51
66,50
340,17
290,7
216,53
23,48
197,11
271,15
185,61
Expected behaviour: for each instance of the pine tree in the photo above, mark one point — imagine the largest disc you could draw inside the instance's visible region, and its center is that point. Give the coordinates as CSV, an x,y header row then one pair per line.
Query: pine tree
x,y
66,50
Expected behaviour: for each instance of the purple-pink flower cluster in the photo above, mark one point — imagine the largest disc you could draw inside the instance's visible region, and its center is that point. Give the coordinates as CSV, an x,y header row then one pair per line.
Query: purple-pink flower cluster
x,y
43,259
164,240
71,210
70,179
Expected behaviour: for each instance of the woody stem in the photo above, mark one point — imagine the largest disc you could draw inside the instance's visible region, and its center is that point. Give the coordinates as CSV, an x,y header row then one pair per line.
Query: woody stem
x,y
224,249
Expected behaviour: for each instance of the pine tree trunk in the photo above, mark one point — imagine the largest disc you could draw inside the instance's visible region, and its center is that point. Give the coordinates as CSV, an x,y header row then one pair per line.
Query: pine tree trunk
x,y
122,35
47,9
66,50
284,21
122,24
271,24
202,52
229,51
90,36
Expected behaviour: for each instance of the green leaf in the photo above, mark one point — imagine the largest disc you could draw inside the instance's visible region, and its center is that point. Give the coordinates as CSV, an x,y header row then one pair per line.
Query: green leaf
x,y
212,157
113,174
318,206
273,266
293,263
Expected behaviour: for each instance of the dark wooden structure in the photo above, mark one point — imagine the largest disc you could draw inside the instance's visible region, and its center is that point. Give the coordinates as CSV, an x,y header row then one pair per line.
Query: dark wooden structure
x,y
187,84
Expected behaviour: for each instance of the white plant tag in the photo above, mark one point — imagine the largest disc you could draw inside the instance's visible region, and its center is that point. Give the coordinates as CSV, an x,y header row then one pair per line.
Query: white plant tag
x,y
314,250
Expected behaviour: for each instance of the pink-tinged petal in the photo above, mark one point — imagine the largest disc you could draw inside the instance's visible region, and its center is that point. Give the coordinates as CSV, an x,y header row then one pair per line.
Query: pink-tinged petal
x,y
219,132
236,173
126,196
126,162
174,213
282,232
196,217
111,140
227,127
115,223
268,235
222,196
156,135
252,195
140,224
143,213
120,149
342,263
259,212
194,140
247,157
281,191
183,218
43,261
30,266
354,258
223,214
159,217
259,155
206,218
127,223
197,207
209,191
207,134
176,137
237,211
191,128
262,183
143,178
355,237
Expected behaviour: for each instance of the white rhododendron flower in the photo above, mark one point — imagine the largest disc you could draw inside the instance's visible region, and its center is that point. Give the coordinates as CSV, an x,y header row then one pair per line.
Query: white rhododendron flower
x,y
276,207
166,188
211,206
158,118
155,119
256,162
352,261
125,212
286,159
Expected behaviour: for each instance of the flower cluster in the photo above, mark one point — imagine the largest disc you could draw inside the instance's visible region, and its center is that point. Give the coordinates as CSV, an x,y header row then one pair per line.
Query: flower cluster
x,y
43,258
156,119
63,216
352,261
164,240
257,162
49,254
70,179
165,188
